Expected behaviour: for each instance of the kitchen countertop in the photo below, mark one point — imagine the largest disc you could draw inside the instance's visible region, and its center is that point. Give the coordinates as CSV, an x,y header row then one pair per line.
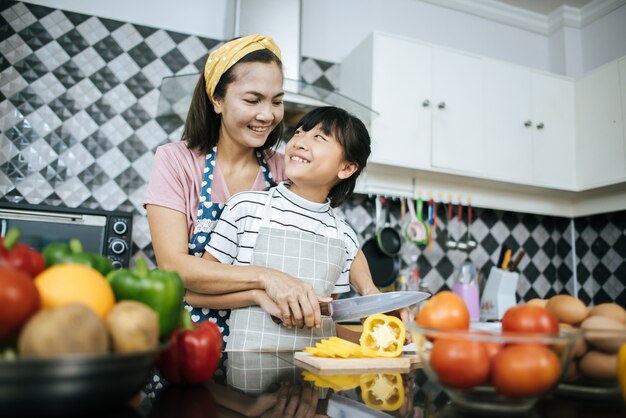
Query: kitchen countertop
x,y
269,384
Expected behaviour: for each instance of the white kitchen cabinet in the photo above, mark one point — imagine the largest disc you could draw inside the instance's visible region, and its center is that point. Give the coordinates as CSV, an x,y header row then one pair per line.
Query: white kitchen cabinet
x,y
392,76
528,121
456,106
600,148
554,134
428,100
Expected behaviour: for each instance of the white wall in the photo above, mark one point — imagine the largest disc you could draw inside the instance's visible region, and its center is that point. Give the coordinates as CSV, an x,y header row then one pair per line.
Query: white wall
x,y
207,18
604,39
332,28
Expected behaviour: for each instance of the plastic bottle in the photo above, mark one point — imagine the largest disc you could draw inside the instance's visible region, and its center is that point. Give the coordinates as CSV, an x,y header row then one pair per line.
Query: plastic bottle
x,y
467,289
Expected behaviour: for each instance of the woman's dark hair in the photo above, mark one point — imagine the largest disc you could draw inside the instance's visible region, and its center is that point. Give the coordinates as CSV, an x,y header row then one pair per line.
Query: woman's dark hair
x,y
202,126
351,134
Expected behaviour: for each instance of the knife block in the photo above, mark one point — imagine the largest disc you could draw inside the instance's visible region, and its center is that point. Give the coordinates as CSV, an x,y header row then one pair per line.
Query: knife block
x,y
498,294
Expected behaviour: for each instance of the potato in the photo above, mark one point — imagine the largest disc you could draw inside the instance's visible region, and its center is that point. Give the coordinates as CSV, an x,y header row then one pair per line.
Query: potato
x,y
69,329
134,327
604,333
567,309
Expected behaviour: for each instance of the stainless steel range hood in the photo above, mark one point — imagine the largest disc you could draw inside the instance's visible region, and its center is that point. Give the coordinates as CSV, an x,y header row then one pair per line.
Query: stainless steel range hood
x,y
282,20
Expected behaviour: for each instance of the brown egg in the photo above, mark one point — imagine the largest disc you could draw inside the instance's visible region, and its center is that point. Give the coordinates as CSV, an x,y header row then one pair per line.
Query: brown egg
x,y
580,347
537,302
567,309
612,310
604,333
598,365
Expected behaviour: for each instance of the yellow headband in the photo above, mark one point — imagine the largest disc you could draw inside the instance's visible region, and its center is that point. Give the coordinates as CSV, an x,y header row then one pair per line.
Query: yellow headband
x,y
227,55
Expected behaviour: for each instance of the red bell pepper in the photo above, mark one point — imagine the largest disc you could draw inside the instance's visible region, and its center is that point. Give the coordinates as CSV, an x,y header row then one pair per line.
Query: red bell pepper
x,y
19,300
193,353
20,256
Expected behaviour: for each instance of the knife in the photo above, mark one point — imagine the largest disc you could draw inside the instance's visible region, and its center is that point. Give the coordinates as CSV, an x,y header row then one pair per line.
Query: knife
x,y
362,306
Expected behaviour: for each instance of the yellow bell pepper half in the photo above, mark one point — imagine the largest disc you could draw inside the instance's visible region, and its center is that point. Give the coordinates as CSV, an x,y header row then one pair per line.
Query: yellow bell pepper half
x,y
382,392
383,336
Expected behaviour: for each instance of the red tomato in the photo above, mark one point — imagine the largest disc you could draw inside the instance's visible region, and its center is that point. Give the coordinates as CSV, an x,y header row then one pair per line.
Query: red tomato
x,y
459,363
19,300
530,320
525,370
492,348
446,311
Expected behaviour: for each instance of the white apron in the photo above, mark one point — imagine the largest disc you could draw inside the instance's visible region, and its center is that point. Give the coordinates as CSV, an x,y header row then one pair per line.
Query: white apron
x,y
313,259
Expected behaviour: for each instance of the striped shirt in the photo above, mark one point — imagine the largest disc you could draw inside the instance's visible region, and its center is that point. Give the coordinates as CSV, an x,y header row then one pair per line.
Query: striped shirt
x,y
234,236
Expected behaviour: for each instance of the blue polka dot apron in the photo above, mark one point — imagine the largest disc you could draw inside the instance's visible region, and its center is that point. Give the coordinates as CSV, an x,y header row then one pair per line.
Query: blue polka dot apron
x,y
208,214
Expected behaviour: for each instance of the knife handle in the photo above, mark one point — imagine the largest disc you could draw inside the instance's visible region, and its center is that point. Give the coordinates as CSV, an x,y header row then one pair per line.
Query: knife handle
x,y
324,309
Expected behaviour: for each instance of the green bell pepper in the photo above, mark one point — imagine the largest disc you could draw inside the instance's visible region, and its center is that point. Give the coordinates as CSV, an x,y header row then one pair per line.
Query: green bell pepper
x,y
72,252
161,290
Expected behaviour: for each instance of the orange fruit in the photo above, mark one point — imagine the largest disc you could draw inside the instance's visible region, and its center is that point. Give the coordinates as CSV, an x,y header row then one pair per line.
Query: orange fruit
x,y
75,283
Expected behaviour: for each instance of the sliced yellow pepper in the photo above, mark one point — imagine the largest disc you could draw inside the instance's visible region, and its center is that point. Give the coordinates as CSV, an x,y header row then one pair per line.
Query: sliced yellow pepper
x,y
337,382
382,336
382,392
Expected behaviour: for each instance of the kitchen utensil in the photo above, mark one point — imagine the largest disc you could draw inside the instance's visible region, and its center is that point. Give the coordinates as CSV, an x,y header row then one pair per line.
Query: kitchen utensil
x,y
507,259
389,239
363,306
324,365
470,244
417,230
460,245
501,256
72,384
450,243
384,268
517,260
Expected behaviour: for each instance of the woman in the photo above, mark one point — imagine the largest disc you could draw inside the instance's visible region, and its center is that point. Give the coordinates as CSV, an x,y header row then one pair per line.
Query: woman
x,y
237,109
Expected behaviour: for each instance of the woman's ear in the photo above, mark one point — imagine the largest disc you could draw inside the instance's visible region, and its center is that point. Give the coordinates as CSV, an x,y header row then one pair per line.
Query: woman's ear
x,y
347,169
217,104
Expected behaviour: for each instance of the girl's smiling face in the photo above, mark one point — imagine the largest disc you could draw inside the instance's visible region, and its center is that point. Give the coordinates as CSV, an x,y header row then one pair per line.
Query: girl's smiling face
x,y
314,162
253,104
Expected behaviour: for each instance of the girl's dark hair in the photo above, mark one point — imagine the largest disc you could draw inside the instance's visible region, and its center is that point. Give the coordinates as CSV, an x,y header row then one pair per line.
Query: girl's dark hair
x,y
351,134
202,126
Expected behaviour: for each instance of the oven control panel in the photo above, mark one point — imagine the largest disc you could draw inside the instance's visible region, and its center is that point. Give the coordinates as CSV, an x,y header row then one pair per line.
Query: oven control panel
x,y
119,240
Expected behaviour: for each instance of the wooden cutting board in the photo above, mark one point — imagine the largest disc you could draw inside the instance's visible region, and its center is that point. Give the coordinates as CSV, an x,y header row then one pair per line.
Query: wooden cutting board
x,y
323,365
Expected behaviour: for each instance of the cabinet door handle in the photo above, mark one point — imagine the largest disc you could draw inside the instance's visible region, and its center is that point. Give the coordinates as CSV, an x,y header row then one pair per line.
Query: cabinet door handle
x,y
442,105
426,103
528,123
540,125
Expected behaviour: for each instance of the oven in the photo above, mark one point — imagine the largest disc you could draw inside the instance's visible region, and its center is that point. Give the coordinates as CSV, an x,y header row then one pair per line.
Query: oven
x,y
102,232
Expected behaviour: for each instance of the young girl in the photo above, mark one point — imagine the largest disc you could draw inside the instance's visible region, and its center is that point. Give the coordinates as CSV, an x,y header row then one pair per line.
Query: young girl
x,y
293,228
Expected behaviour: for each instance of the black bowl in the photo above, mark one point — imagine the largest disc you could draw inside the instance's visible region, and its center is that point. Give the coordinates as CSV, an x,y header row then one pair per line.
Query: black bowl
x,y
72,384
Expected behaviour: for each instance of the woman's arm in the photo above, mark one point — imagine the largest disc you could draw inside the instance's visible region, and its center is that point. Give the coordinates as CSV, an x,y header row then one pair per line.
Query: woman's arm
x,y
235,300
360,276
168,228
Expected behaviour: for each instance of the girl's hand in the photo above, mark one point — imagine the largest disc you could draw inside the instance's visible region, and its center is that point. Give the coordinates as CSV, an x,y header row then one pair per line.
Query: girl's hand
x,y
266,303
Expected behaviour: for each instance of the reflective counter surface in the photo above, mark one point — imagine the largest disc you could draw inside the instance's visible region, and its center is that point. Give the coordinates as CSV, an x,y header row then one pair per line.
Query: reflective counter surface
x,y
270,385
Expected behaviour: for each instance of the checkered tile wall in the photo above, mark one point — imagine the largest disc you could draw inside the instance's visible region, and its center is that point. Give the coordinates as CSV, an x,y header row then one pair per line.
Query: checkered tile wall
x,y
78,128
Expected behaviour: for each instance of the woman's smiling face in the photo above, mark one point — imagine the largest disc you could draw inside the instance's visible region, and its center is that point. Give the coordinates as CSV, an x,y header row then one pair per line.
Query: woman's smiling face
x,y
252,105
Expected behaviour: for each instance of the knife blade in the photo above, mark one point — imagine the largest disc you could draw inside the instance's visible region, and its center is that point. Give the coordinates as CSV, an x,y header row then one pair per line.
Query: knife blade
x,y
362,306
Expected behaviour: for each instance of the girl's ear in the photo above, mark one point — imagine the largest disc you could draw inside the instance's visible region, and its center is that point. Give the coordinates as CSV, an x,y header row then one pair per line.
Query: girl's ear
x,y
217,104
347,169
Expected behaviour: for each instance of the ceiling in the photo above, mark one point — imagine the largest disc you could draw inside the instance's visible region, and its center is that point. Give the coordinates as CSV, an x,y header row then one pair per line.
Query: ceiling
x,y
545,7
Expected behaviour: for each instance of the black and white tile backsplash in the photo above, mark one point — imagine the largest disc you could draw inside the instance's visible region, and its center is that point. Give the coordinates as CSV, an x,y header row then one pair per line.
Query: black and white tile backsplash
x,y
79,127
